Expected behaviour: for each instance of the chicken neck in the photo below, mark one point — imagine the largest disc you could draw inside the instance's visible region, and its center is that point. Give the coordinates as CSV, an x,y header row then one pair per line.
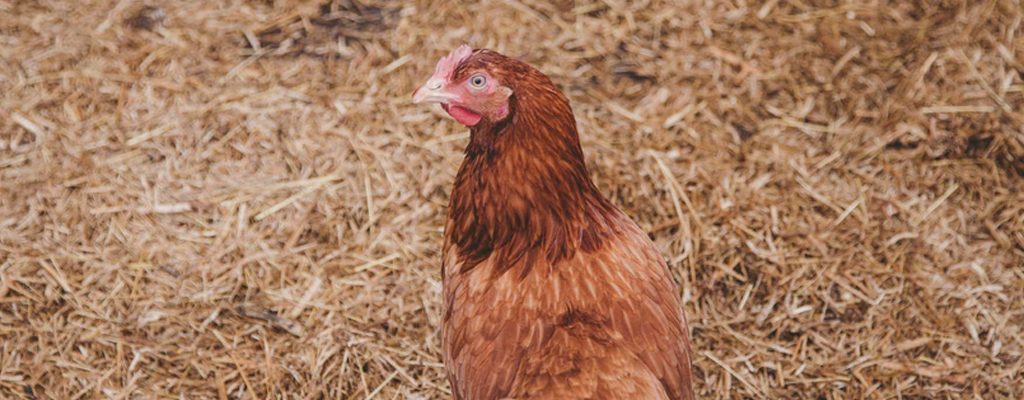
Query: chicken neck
x,y
523,191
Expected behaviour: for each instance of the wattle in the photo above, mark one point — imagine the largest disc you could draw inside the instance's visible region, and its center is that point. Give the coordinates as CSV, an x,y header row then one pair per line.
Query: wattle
x,y
462,115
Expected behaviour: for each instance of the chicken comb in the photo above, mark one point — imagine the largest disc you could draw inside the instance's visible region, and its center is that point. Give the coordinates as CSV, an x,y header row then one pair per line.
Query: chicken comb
x,y
446,66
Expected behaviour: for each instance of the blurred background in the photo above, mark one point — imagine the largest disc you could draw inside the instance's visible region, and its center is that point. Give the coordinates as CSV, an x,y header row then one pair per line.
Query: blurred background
x,y
235,199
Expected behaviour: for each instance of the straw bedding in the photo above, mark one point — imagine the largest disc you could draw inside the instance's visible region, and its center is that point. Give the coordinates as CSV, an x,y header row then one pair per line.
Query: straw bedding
x,y
235,199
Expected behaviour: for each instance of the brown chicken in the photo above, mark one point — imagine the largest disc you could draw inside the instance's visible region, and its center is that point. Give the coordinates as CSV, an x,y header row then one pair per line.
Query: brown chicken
x,y
550,292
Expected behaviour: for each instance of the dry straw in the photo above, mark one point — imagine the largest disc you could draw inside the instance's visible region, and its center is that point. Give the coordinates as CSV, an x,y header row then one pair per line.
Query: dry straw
x,y
235,199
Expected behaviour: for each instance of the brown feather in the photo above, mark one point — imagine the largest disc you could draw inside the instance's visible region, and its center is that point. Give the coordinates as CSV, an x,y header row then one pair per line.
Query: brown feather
x,y
550,292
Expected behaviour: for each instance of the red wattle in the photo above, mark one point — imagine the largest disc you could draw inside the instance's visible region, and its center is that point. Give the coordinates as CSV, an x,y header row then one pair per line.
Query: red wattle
x,y
462,115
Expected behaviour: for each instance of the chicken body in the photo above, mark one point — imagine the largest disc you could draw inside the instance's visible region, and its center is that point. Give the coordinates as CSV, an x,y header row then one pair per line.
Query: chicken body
x,y
598,325
550,292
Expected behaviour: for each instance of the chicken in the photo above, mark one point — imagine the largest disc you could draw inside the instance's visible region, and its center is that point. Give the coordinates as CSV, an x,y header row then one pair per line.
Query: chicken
x,y
550,292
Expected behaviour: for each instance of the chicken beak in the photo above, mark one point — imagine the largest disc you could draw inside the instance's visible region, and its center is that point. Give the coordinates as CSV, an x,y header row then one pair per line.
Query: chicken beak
x,y
433,91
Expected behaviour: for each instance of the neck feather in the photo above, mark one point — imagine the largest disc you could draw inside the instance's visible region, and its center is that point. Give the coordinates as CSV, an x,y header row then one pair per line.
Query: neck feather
x,y
523,191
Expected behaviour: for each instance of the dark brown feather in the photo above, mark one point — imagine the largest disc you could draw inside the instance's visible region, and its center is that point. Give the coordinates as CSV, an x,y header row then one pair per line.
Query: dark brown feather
x,y
550,292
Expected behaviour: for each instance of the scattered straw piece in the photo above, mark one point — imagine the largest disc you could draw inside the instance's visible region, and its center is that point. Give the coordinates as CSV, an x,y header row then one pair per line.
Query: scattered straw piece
x,y
27,124
746,382
312,187
957,109
253,312
981,80
164,209
938,202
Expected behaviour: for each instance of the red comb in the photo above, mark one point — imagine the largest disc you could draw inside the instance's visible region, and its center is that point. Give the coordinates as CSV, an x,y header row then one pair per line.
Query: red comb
x,y
446,67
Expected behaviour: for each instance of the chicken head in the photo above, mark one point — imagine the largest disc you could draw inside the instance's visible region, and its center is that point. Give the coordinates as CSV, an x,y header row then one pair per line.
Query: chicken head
x,y
468,93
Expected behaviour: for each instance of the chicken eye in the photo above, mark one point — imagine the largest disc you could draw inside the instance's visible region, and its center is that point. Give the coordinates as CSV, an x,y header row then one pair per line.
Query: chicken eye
x,y
478,81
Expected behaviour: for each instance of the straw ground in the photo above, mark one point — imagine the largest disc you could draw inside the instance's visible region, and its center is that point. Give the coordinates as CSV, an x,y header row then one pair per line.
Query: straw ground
x,y
235,199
